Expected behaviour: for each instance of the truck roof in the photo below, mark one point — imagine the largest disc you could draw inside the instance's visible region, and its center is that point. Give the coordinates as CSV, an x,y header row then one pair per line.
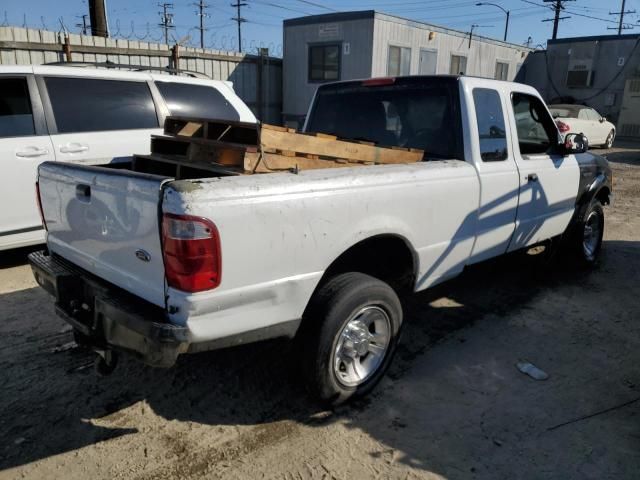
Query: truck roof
x,y
443,78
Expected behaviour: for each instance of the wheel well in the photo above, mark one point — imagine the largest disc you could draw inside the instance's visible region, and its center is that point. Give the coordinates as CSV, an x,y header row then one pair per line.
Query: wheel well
x,y
385,257
603,195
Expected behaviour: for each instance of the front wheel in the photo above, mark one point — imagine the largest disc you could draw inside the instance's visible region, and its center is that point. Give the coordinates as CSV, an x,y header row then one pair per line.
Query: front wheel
x,y
350,334
610,139
587,240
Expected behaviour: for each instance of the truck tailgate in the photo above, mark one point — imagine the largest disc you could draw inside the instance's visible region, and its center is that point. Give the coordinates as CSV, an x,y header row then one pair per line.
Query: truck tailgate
x,y
106,221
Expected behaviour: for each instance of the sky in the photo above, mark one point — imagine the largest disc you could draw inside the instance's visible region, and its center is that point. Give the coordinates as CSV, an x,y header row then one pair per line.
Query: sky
x,y
139,19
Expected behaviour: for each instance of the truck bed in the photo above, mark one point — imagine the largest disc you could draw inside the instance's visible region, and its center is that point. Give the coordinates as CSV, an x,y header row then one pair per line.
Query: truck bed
x,y
201,148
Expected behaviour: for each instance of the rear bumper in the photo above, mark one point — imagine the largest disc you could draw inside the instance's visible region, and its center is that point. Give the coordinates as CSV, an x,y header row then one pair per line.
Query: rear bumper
x,y
106,316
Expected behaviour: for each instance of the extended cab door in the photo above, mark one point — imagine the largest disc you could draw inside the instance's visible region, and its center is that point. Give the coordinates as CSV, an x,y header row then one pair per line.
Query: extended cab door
x,y
548,181
97,121
495,161
24,144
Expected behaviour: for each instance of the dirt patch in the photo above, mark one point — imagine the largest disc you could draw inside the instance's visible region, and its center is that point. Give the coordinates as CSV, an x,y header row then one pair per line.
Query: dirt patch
x,y
454,405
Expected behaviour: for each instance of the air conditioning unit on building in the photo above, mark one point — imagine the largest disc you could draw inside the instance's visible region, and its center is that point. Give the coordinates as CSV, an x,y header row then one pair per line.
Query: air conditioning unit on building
x,y
579,75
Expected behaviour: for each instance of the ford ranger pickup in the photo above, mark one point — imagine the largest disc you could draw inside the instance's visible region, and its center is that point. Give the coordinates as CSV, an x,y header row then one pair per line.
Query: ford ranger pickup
x,y
143,263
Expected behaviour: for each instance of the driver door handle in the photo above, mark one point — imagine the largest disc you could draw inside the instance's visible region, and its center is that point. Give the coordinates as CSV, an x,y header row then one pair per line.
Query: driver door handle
x,y
532,177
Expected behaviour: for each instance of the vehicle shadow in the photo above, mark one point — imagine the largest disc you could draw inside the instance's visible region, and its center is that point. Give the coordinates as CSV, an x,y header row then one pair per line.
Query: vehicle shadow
x,y
53,403
629,156
17,256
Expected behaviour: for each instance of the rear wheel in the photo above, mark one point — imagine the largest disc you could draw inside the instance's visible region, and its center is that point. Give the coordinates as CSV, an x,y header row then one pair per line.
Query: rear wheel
x,y
350,334
610,138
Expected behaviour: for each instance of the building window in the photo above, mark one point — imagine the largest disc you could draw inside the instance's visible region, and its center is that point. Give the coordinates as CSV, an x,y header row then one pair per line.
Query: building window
x,y
458,65
399,61
324,63
502,71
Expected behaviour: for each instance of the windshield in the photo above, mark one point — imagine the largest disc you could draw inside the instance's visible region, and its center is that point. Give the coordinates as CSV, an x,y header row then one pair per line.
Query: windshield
x,y
421,114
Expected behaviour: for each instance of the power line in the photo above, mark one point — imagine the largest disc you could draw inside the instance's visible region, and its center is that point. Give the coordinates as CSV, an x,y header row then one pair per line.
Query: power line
x,y
202,6
317,5
622,13
166,20
238,18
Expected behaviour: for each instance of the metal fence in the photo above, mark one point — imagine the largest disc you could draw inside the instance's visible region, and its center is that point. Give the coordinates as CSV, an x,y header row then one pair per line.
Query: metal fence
x,y
257,79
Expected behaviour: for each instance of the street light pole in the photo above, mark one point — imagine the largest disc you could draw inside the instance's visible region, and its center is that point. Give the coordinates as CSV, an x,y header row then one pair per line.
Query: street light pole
x,y
507,12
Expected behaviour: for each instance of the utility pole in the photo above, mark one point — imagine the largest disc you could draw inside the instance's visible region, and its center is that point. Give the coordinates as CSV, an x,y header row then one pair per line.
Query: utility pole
x,y
202,6
558,6
622,13
166,21
83,25
98,16
240,21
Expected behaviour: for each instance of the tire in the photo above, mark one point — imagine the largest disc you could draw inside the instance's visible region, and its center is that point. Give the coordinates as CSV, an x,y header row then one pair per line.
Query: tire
x,y
350,333
610,138
587,239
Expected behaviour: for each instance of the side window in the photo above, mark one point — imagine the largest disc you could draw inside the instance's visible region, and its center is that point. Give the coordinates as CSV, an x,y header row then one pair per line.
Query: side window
x,y
199,101
583,114
536,130
93,105
324,63
458,65
399,61
593,115
16,117
493,138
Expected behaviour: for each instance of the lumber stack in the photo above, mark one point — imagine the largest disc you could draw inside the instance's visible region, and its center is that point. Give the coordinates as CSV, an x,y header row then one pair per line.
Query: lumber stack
x,y
235,148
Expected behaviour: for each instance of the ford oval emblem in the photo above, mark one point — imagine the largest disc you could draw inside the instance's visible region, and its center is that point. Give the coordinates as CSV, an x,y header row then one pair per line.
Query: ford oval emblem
x,y
142,255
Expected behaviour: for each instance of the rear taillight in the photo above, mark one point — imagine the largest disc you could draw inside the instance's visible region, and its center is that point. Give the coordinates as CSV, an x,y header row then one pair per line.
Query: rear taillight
x,y
191,252
39,201
563,127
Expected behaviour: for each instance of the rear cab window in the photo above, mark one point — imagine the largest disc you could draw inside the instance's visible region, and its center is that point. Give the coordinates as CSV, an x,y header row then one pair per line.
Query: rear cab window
x,y
198,101
16,115
422,113
92,105
491,127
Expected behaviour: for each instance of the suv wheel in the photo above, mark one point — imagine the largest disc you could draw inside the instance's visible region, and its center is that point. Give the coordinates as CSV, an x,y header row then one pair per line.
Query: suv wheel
x,y
350,336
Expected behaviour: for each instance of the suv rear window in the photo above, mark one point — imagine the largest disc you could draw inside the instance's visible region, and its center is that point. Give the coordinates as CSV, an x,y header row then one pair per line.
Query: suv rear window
x,y
413,113
16,118
199,101
93,105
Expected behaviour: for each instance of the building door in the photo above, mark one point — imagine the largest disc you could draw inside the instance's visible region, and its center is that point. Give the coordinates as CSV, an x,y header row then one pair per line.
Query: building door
x,y
428,61
629,119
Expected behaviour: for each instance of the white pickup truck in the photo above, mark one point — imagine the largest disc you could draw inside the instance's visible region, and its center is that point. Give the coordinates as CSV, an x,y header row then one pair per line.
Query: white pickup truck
x,y
157,267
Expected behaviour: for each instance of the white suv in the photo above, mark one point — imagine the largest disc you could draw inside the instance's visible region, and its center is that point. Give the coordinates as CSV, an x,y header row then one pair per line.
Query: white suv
x,y
89,116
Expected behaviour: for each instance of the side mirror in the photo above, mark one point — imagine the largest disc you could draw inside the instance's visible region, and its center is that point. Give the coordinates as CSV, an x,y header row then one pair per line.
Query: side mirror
x,y
574,143
603,119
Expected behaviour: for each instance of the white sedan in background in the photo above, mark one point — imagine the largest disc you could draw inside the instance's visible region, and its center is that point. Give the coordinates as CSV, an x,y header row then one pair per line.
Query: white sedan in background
x,y
585,120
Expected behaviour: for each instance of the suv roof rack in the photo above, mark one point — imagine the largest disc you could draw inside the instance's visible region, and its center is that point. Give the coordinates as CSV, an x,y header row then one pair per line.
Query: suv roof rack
x,y
135,68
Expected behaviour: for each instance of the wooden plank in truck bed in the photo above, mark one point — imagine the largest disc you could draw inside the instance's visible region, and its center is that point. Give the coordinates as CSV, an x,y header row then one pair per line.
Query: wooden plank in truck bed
x,y
330,147
273,162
